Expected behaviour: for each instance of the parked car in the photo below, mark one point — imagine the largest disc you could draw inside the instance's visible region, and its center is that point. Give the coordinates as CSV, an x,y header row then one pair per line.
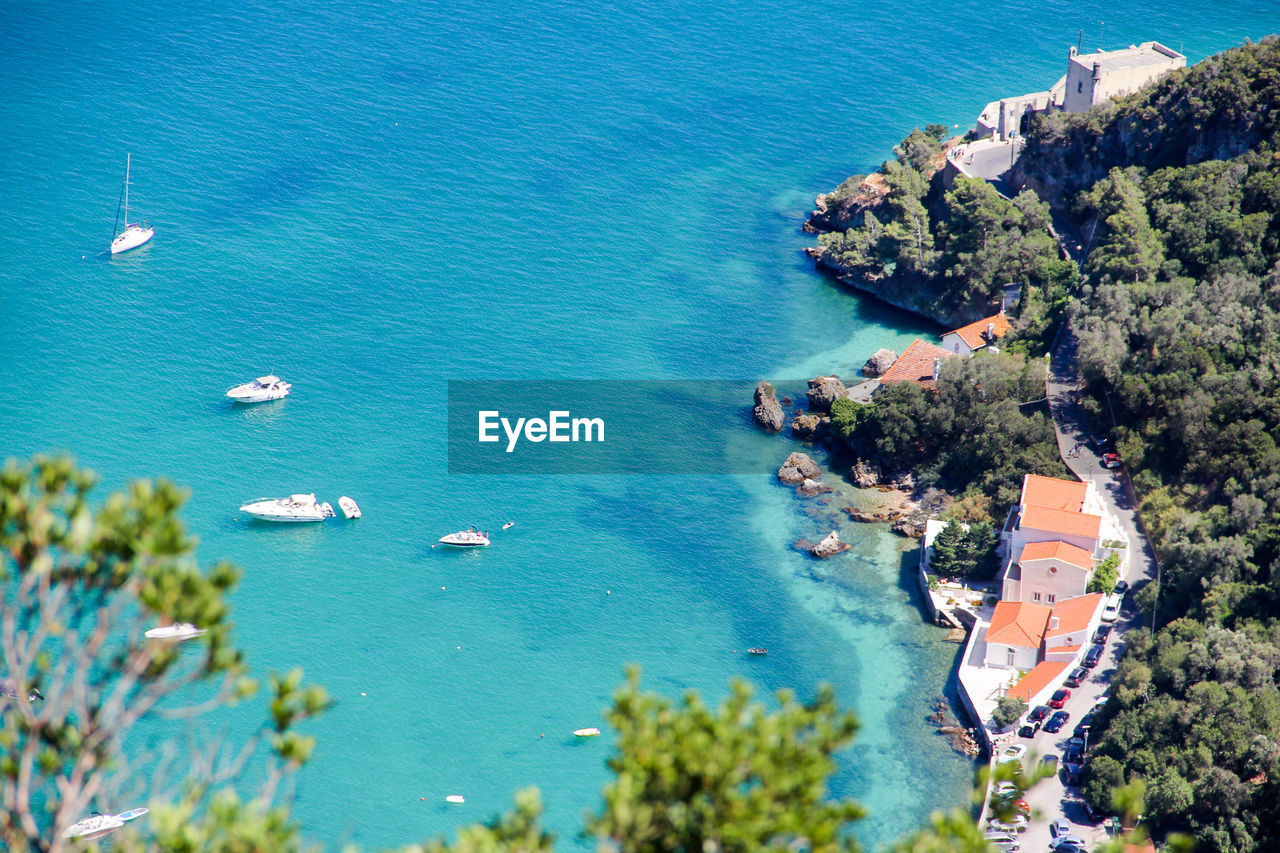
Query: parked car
x,y
1086,722
1067,840
1005,841
1111,460
1103,444
1111,610
1100,636
1057,721
1058,699
1059,828
1051,761
1071,773
1038,713
1012,753
1078,676
1074,753
1122,587
1017,823
1092,656
1005,788
1029,730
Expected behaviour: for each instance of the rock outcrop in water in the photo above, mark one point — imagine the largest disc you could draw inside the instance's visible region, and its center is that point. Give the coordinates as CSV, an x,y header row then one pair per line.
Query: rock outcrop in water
x,y
768,411
879,362
797,468
823,391
829,546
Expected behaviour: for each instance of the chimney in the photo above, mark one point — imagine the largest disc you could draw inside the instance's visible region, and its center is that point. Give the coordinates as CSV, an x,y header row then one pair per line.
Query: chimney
x,y
937,362
990,333
1053,623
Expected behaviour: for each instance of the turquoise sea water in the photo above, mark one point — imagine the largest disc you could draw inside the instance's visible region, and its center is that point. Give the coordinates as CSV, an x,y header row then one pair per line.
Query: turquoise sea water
x,y
371,199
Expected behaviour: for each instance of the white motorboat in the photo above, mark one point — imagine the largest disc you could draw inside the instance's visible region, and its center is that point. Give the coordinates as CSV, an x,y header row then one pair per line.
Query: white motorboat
x,y
456,799
181,631
93,827
349,507
469,538
133,235
269,387
292,508
588,732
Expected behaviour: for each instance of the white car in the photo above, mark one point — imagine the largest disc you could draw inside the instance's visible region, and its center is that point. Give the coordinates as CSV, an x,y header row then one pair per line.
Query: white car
x,y
1012,753
1017,823
1111,608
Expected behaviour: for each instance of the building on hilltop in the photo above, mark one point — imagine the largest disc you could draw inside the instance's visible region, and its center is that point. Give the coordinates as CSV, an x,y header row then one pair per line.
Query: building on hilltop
x,y
978,335
1094,78
1091,79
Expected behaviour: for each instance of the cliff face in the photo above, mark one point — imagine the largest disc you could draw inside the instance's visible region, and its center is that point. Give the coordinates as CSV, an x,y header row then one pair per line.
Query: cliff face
x,y
913,293
1215,110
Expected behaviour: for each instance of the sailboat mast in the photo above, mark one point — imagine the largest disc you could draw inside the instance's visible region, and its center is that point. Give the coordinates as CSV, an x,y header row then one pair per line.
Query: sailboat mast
x,y
127,162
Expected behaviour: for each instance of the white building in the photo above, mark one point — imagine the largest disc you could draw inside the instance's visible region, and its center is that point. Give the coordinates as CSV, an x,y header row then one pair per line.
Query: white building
x,y
1095,78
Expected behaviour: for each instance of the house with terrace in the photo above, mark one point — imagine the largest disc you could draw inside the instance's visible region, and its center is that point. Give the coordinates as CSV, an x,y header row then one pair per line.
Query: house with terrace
x,y
1052,540
979,335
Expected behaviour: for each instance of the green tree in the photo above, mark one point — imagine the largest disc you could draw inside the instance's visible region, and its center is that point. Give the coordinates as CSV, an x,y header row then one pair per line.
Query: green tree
x,y
1105,574
1131,250
1008,710
947,556
78,587
736,778
847,417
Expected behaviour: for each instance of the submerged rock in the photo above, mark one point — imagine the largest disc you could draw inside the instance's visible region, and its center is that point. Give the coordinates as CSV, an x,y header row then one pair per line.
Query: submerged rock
x,y
829,546
768,411
881,361
797,468
812,487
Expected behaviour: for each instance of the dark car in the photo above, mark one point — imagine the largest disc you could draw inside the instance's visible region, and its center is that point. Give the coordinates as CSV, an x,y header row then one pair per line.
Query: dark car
x,y
1071,773
1102,444
1058,699
1077,677
1030,729
1086,724
1092,657
1056,722
1038,713
1100,636
1051,761
1121,587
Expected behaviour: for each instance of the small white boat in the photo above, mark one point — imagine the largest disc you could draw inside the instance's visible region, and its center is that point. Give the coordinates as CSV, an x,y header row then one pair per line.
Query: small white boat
x,y
292,508
508,525
469,538
133,235
93,827
588,732
456,799
131,814
349,508
181,631
269,387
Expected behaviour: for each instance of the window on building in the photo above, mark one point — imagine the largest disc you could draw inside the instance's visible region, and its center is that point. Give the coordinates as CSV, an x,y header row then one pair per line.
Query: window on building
x,y
1035,598
1079,86
1009,657
1051,598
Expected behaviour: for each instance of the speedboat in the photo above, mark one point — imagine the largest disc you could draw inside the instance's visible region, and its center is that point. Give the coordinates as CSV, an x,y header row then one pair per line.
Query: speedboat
x,y
93,827
469,538
349,507
292,508
588,732
456,799
757,651
181,631
269,387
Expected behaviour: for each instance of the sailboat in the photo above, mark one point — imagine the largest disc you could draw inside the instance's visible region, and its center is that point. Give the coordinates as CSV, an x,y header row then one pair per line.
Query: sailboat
x,y
133,235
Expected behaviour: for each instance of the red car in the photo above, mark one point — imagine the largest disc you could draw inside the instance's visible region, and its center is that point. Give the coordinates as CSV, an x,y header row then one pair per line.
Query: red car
x,y
1059,699
1111,460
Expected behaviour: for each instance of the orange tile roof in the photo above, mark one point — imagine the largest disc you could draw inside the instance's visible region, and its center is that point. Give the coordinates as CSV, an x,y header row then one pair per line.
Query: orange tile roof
x,y
916,364
1073,614
972,334
1052,493
1063,552
1038,678
1018,623
1061,521
1062,650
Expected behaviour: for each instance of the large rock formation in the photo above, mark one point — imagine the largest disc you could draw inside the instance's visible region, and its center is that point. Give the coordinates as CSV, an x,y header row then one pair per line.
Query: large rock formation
x,y
829,546
823,391
768,411
881,361
797,468
805,424
865,474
